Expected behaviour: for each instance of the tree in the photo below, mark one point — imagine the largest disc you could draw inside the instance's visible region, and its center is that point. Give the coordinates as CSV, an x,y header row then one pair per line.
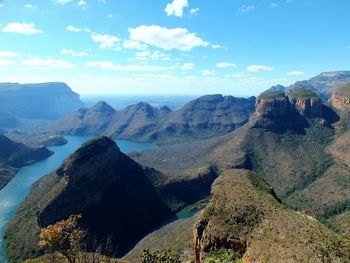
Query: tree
x,y
64,237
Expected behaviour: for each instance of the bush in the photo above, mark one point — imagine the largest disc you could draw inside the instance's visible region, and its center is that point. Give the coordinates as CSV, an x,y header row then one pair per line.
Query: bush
x,y
159,257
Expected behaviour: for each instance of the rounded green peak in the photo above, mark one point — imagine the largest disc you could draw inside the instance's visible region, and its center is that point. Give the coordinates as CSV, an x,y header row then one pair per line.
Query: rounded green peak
x,y
343,91
272,94
302,93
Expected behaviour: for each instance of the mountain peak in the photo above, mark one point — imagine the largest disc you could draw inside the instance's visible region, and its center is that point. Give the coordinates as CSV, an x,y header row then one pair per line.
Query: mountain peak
x,y
103,107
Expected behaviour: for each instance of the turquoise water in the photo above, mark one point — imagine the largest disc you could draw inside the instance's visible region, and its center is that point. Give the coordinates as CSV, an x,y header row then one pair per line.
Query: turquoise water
x,y
191,210
14,193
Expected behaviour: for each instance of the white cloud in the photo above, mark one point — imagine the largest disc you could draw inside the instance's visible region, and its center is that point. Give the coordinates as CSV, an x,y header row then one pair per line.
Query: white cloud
x,y
21,28
4,63
194,11
176,8
187,66
8,54
73,53
259,68
162,37
226,65
155,55
106,41
82,3
30,6
246,8
1,5
207,72
48,63
62,2
108,65
215,46
131,44
296,73
73,29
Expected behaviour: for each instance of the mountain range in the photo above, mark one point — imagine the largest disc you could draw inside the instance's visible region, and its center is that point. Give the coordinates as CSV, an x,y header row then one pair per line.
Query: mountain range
x,y
204,117
278,181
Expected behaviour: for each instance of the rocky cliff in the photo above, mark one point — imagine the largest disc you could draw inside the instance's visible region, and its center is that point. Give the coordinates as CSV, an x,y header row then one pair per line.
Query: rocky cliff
x,y
38,101
201,118
341,97
15,155
306,102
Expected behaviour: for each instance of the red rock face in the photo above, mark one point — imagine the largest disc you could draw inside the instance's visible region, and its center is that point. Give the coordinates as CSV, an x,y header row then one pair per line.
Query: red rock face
x,y
340,103
308,107
272,108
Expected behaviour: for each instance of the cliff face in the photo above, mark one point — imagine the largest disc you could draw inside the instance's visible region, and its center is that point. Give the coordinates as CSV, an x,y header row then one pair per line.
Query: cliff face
x,y
201,118
341,97
15,155
277,111
306,102
245,220
38,101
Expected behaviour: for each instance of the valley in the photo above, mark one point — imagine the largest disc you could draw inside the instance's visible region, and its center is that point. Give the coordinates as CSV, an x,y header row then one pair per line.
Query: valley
x,y
269,170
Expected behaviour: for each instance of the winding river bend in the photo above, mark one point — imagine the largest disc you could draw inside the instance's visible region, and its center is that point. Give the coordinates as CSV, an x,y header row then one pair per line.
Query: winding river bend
x,y
15,192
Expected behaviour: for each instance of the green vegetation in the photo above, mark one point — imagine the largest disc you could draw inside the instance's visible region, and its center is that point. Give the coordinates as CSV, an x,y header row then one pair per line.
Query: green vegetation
x,y
302,93
344,91
159,257
272,95
224,256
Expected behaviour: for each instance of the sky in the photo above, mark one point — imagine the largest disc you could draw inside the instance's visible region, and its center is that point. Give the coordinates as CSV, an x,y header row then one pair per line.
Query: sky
x,y
183,47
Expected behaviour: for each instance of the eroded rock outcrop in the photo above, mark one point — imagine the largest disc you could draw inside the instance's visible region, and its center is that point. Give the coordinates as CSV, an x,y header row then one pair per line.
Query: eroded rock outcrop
x,y
341,98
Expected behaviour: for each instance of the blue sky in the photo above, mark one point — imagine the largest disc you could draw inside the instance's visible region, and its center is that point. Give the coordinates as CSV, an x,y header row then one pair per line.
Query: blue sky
x,y
238,47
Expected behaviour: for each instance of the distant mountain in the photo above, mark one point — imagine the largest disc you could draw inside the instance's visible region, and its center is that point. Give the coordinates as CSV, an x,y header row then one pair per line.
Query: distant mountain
x,y
15,155
8,120
201,118
323,84
38,101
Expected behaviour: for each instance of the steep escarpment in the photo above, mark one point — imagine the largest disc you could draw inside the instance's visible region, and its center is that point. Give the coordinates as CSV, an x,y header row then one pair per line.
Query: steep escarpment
x,y
341,98
245,220
114,195
15,155
38,101
204,117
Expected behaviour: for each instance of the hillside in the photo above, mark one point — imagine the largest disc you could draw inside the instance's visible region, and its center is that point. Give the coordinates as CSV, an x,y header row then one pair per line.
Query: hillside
x,y
245,220
286,143
204,117
129,199
15,155
38,101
